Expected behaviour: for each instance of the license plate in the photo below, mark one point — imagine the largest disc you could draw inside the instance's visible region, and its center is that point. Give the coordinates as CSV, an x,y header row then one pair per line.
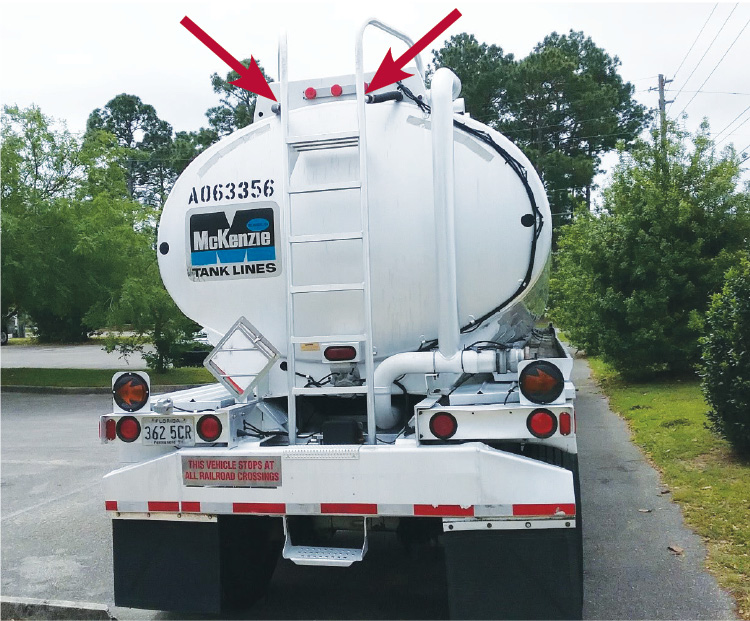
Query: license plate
x,y
168,431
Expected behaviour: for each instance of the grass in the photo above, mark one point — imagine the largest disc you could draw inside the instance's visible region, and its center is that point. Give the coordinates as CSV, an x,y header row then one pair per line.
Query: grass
x,y
668,420
97,377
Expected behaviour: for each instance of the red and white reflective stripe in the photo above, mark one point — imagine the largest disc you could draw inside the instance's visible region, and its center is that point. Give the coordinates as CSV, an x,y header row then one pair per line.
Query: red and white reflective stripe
x,y
332,508
529,510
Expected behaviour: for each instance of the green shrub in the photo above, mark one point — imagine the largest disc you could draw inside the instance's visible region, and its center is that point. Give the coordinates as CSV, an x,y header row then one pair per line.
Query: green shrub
x,y
632,283
725,369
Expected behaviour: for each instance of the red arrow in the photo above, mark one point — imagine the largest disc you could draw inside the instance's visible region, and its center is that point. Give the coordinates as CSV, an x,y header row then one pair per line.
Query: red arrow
x,y
251,78
390,70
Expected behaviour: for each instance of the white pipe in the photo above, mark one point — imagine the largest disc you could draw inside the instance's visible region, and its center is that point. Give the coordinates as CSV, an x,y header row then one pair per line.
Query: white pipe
x,y
466,361
445,88
444,85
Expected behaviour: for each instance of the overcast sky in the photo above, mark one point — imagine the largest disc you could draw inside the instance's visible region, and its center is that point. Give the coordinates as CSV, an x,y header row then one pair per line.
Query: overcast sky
x,y
72,57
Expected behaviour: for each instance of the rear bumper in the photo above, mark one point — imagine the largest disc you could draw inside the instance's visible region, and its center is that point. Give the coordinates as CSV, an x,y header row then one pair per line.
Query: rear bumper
x,y
457,481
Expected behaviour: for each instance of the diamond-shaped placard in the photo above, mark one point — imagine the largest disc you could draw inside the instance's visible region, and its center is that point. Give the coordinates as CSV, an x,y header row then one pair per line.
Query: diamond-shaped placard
x,y
241,359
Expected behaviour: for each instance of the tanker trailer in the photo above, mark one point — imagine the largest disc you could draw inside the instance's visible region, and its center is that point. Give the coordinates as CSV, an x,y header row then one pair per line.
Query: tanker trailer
x,y
370,269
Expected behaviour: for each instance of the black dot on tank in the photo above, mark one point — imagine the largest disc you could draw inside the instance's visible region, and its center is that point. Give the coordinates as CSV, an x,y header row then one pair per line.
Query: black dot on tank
x,y
528,219
164,247
260,114
283,366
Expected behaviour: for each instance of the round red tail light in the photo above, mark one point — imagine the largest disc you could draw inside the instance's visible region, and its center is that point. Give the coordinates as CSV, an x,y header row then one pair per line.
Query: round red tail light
x,y
130,392
336,90
128,429
336,353
209,428
541,423
310,93
541,382
443,425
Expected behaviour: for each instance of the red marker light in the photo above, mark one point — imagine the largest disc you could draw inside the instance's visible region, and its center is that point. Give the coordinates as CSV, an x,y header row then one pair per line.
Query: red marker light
x,y
337,353
564,424
310,93
209,428
128,429
336,90
541,423
110,429
443,425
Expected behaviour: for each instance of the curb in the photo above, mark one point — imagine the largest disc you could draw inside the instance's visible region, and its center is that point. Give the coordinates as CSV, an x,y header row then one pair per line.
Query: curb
x,y
31,608
90,390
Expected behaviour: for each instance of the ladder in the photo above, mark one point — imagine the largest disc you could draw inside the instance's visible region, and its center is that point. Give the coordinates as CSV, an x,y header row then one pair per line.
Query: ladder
x,y
293,145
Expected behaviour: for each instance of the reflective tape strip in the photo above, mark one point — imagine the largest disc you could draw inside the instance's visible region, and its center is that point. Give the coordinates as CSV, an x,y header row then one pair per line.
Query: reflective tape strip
x,y
156,505
443,510
333,508
352,508
524,510
278,508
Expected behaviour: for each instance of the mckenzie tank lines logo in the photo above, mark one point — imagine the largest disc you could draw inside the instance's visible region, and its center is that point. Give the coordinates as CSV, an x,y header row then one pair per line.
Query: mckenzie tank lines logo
x,y
245,247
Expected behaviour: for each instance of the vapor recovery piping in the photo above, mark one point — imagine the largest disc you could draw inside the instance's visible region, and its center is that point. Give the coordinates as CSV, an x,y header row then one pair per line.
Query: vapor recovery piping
x,y
448,359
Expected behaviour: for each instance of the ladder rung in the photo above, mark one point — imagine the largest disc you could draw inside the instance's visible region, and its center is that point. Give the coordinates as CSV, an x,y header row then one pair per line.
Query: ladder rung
x,y
332,390
324,141
303,239
353,286
330,338
326,187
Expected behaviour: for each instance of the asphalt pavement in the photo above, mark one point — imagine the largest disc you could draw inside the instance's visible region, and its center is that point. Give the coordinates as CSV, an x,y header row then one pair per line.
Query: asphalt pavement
x,y
56,535
67,357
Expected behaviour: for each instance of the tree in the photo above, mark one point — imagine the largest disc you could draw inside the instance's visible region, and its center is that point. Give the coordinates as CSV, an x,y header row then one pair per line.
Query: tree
x,y
148,143
484,71
68,224
146,308
725,368
633,283
564,104
237,106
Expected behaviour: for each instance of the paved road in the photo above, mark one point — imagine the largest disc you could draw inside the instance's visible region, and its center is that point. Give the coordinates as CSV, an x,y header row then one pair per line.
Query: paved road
x,y
66,357
55,540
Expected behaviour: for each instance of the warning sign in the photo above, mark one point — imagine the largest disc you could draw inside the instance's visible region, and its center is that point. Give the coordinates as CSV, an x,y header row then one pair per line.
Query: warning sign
x,y
231,472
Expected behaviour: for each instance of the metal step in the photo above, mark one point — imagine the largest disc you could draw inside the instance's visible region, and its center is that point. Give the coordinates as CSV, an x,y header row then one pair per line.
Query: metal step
x,y
352,286
314,555
304,239
323,555
333,186
330,338
316,142
331,390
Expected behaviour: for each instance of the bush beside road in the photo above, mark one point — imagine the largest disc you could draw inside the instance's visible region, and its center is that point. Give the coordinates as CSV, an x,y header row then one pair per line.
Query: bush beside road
x,y
668,421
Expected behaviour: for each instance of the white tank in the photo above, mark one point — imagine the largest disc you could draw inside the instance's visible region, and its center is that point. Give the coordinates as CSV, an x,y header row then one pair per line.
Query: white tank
x,y
222,243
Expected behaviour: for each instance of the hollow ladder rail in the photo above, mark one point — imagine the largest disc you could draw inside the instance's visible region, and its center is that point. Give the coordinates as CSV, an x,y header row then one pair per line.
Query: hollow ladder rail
x,y
312,143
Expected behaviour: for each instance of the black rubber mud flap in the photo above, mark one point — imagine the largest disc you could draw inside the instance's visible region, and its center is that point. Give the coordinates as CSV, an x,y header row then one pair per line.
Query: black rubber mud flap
x,y
514,574
203,567
167,565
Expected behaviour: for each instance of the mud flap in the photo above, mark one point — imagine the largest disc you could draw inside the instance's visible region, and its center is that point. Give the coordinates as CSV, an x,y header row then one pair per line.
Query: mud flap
x,y
202,567
514,574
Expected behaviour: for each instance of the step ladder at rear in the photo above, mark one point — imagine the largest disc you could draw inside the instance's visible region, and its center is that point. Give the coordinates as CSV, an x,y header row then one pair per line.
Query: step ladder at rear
x,y
337,140
317,288
337,186
318,555
304,239
323,555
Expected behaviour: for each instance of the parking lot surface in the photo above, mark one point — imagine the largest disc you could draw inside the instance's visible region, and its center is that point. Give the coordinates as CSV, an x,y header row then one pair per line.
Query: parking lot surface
x,y
56,535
